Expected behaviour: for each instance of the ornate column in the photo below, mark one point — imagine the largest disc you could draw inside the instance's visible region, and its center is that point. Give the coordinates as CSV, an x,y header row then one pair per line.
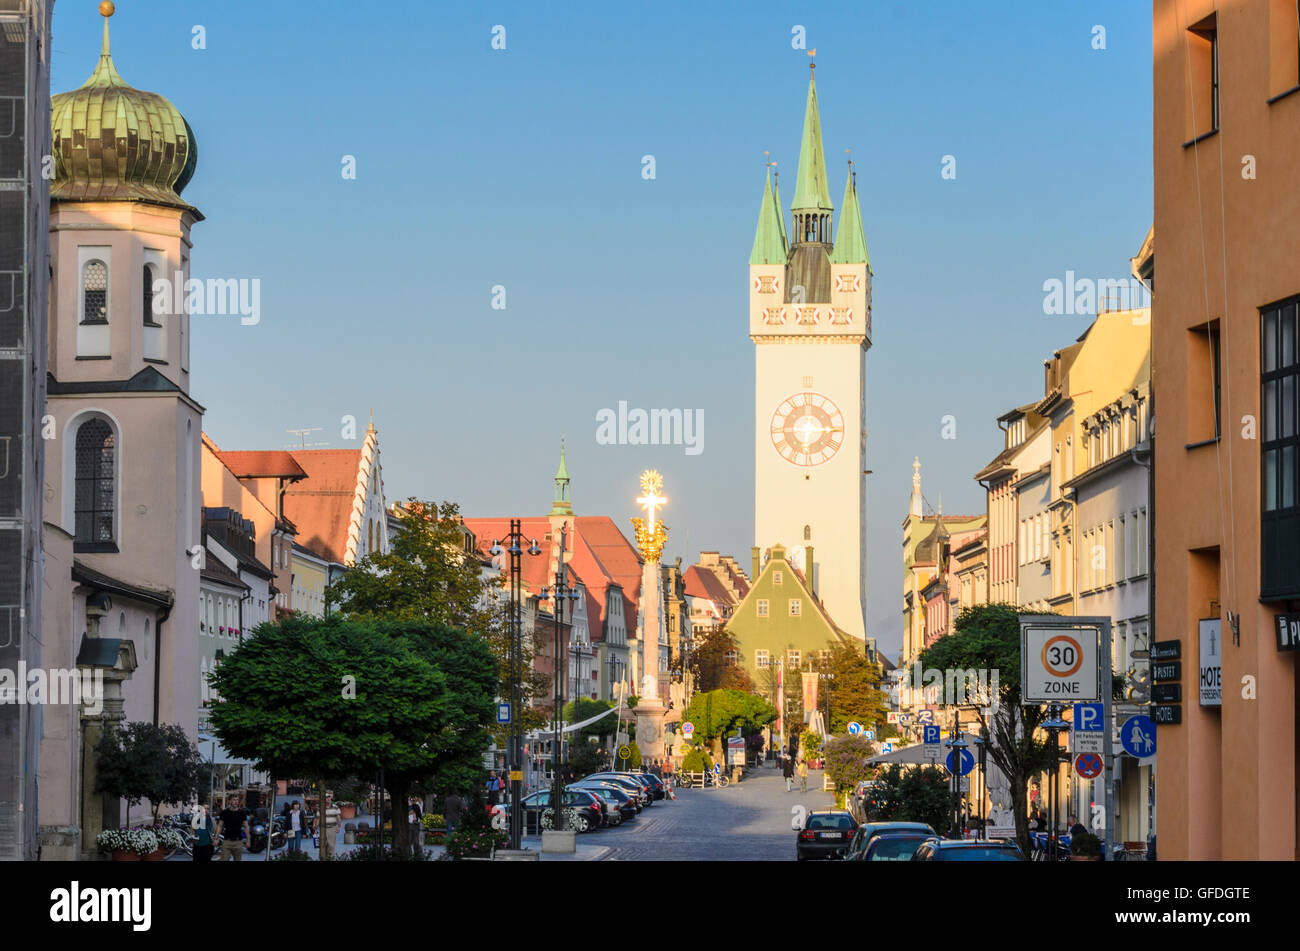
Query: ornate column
x,y
650,538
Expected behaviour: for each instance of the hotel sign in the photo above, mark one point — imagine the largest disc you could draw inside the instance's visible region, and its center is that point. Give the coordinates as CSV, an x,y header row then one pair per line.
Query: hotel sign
x,y
1211,667
1166,650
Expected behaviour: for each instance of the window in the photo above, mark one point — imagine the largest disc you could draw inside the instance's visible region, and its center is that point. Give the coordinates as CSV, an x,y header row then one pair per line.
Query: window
x,y
824,658
796,607
762,607
149,298
1280,446
762,659
793,659
1203,87
731,658
807,533
94,292
778,577
96,484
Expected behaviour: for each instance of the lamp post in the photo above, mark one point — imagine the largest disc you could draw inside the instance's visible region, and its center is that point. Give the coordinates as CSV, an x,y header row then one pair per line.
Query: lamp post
x,y
515,538
1054,724
561,592
958,746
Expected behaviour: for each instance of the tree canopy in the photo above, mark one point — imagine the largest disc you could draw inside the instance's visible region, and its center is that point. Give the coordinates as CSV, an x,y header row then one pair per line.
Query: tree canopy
x,y
144,761
855,693
719,713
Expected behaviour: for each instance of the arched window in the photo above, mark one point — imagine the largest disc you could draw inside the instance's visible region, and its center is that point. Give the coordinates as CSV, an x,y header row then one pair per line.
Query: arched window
x,y
96,483
94,286
370,536
807,533
149,298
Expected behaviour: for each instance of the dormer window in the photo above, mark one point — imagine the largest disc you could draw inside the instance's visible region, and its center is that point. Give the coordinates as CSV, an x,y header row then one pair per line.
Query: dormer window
x,y
94,289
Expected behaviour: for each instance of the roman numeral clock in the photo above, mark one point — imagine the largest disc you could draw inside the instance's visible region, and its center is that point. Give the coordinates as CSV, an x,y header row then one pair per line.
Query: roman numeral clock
x,y
807,429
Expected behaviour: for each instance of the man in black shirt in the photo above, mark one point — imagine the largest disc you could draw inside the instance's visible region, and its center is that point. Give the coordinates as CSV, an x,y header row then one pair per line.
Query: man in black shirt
x,y
232,823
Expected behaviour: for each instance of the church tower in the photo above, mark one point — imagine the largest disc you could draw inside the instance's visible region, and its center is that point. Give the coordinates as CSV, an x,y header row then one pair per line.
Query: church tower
x,y
810,321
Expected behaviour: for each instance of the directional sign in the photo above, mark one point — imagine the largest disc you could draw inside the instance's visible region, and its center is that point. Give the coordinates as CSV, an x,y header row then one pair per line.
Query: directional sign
x,y
855,728
887,748
1167,693
688,728
1170,670
1167,713
1059,663
1288,632
1138,736
967,762
1166,650
1088,765
931,735
717,767
871,734
503,712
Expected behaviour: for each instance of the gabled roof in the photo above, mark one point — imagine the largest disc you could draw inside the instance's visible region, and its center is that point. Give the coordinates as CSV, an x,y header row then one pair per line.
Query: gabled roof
x,y
83,574
262,464
705,584
214,570
329,505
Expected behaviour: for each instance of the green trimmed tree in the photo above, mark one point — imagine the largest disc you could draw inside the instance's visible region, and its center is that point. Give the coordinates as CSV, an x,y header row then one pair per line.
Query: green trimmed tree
x,y
855,693
846,761
719,713
144,761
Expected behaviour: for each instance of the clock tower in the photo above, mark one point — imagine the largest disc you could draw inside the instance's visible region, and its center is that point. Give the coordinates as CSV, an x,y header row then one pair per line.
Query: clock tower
x,y
810,321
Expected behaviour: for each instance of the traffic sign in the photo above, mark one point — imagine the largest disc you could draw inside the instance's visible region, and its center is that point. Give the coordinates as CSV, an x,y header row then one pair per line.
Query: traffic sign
x,y
503,712
887,748
1089,734
1058,663
967,762
871,734
925,716
930,735
855,728
1088,765
688,728
1138,736
624,752
717,767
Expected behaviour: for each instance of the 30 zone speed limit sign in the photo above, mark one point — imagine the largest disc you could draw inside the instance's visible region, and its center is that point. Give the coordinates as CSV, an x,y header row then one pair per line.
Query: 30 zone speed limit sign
x,y
1059,664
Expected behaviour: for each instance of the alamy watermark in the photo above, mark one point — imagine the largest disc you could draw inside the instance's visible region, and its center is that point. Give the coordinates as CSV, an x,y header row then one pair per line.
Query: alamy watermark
x,y
39,687
1087,297
656,427
951,686
211,297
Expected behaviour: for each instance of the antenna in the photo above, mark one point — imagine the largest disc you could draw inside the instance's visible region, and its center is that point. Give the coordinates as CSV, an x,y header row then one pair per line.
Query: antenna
x,y
302,438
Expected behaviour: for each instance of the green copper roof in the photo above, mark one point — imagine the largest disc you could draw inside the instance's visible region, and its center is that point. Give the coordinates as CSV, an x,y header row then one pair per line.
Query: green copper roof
x,y
780,215
115,143
850,242
810,191
769,237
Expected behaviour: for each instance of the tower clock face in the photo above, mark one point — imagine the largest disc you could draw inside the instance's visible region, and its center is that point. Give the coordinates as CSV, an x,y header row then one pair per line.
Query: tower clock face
x,y
807,429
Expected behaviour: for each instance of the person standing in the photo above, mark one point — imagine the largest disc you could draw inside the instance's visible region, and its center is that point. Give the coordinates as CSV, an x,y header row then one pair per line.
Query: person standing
x,y
494,789
233,824
787,770
295,827
803,775
415,818
203,841
452,808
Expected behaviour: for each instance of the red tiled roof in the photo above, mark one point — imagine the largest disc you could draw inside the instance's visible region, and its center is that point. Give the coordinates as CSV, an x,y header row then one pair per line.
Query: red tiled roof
x,y
701,583
321,505
262,464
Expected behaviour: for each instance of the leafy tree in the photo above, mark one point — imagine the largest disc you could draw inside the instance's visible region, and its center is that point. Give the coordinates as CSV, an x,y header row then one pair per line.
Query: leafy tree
x,y
710,667
914,794
339,697
855,692
719,713
428,575
988,637
810,744
140,761
586,758
576,711
697,760
846,761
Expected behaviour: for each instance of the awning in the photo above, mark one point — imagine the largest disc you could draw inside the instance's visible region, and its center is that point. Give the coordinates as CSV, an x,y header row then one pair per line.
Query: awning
x,y
211,751
914,754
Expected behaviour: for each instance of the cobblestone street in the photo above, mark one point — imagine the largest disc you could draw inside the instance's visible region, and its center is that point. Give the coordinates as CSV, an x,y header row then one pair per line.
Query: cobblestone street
x,y
747,821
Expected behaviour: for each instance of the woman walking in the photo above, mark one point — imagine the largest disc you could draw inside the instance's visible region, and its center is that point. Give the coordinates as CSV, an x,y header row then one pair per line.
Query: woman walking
x,y
803,775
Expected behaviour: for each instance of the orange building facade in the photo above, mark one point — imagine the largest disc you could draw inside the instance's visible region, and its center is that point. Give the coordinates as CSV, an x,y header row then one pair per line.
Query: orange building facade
x,y
1226,377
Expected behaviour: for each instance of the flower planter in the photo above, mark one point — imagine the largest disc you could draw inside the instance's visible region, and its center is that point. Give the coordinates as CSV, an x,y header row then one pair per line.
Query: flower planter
x,y
157,855
347,812
1085,858
125,855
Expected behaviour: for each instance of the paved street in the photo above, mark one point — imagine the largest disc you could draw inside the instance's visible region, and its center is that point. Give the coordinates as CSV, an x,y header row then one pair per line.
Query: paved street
x,y
747,821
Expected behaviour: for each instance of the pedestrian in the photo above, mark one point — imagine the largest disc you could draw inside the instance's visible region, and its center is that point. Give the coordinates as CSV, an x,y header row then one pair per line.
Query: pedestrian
x,y
295,826
803,775
1076,827
452,807
202,826
232,823
787,770
494,789
414,818
1035,821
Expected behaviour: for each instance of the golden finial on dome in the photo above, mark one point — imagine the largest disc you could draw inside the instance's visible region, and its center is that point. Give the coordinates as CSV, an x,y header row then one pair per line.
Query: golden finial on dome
x,y
107,8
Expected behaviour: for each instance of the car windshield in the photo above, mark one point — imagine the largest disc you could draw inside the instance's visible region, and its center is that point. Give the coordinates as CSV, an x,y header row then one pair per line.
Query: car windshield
x,y
895,850
978,855
830,822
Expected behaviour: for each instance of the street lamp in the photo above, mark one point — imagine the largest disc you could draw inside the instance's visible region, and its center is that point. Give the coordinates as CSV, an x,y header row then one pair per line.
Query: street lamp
x,y
1054,724
515,538
562,592
958,746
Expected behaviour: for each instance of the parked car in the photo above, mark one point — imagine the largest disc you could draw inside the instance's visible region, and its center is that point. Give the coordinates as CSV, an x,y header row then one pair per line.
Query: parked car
x,y
968,850
629,781
869,830
825,834
647,781
893,847
618,802
656,784
589,811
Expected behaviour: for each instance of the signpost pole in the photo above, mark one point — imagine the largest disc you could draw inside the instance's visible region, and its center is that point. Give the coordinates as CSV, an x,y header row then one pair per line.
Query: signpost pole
x,y
1107,748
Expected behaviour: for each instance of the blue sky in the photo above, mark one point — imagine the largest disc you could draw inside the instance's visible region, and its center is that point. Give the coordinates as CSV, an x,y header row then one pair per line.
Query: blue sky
x,y
522,168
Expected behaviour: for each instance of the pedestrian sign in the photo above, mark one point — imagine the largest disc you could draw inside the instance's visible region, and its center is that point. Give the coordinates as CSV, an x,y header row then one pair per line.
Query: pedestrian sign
x,y
967,762
503,712
855,728
887,748
1138,735
1088,765
688,728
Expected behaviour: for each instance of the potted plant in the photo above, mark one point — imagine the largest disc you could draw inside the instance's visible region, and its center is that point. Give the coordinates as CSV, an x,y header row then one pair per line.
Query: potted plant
x,y
1085,847
347,809
127,845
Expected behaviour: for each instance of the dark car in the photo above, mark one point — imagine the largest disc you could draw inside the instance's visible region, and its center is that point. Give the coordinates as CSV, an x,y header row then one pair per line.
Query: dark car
x,y
893,848
656,784
968,850
589,811
635,792
869,830
631,781
825,835
618,802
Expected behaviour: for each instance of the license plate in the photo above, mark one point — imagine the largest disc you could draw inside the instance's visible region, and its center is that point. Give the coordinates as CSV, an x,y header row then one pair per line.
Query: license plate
x,y
832,835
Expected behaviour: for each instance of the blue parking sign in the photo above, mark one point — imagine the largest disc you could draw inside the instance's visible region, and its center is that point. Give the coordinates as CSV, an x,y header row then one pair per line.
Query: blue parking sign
x,y
1088,717
503,712
930,733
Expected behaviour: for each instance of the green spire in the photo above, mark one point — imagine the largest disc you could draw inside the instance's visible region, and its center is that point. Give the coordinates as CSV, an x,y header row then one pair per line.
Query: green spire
x,y
810,192
780,215
769,237
561,505
850,241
